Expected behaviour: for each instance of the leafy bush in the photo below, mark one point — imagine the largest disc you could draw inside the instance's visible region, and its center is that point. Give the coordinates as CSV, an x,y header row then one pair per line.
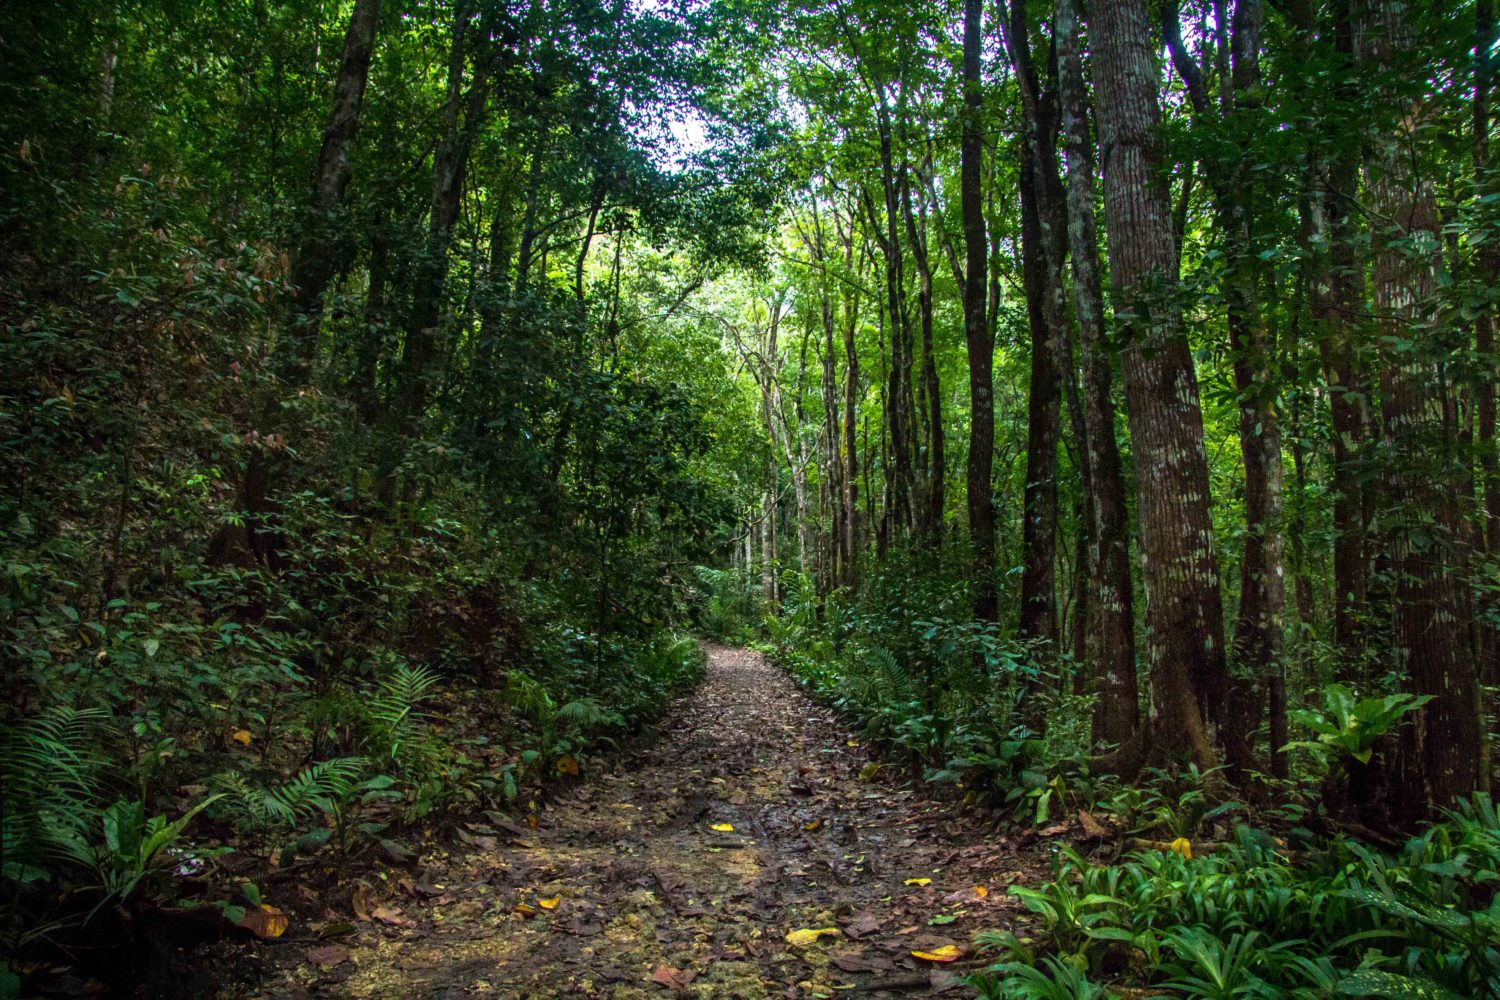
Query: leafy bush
x,y
1249,918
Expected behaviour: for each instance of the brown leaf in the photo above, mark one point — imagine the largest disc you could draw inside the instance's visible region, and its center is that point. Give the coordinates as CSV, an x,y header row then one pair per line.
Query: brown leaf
x,y
1092,828
863,925
264,921
858,961
391,917
329,955
672,979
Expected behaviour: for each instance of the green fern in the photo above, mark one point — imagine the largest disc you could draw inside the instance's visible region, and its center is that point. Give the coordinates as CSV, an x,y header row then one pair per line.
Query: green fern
x,y
528,697
54,767
583,714
310,792
393,712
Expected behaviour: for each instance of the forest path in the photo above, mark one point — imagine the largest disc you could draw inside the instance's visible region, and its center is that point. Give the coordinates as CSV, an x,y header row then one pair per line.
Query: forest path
x,y
645,898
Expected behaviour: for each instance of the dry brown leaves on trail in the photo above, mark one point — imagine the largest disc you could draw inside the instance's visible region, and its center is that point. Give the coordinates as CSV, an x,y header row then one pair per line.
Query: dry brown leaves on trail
x,y
750,853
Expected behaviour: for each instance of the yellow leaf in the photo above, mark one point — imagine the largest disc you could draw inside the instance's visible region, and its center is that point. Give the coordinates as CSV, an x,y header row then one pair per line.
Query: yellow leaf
x,y
947,953
567,764
264,921
869,771
722,828
524,909
816,824
808,936
1181,846
919,881
980,892
549,904
853,743
242,736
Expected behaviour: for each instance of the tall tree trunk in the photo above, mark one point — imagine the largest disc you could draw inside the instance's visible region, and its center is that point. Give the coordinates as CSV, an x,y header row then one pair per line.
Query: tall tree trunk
x,y
1431,635
898,400
1488,370
1111,618
317,256
1042,282
1260,622
1184,612
850,324
462,119
979,340
916,234
312,272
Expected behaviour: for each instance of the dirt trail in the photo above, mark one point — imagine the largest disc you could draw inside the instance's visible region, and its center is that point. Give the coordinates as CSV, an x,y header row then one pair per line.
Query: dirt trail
x,y
652,901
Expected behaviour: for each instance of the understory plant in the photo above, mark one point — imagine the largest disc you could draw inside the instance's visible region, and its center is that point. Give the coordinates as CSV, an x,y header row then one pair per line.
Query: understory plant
x,y
1248,917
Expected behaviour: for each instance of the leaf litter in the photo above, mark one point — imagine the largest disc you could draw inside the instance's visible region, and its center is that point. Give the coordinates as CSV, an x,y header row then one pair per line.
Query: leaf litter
x,y
754,851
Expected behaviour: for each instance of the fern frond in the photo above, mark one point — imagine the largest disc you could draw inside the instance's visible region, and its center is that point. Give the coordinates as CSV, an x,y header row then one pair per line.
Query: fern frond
x,y
54,766
583,713
527,696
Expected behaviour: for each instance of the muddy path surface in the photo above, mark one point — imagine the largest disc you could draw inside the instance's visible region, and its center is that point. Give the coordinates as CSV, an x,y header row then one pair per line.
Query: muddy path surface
x,y
682,872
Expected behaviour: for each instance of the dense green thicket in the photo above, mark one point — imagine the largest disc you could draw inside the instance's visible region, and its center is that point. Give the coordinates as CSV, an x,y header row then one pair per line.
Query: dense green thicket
x,y
283,576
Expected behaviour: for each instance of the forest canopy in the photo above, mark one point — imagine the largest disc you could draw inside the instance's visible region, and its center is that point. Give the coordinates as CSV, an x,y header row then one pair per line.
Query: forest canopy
x,y
1086,399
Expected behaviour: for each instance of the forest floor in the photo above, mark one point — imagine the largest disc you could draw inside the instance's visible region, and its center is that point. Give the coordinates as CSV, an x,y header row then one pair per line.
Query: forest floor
x,y
682,871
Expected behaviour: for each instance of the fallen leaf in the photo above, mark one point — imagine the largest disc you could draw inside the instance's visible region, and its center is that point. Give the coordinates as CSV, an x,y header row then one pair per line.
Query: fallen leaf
x,y
947,953
264,921
919,881
391,917
242,736
860,962
869,771
1092,828
1182,846
969,895
672,979
942,918
329,955
808,936
567,764
524,909
1053,830
549,904
722,828
815,825
361,903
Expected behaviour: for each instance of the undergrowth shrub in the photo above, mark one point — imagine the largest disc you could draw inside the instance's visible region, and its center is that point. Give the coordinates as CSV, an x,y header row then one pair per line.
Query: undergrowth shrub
x,y
1253,917
937,691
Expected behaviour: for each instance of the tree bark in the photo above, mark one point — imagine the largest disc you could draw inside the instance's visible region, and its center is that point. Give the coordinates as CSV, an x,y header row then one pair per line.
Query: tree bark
x,y
1260,622
1042,282
317,257
1184,612
1111,617
1488,368
979,340
933,502
462,118
1440,753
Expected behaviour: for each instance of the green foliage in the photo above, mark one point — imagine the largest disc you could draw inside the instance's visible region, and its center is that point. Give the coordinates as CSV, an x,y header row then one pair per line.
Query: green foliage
x,y
259,810
1241,918
54,764
1350,727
